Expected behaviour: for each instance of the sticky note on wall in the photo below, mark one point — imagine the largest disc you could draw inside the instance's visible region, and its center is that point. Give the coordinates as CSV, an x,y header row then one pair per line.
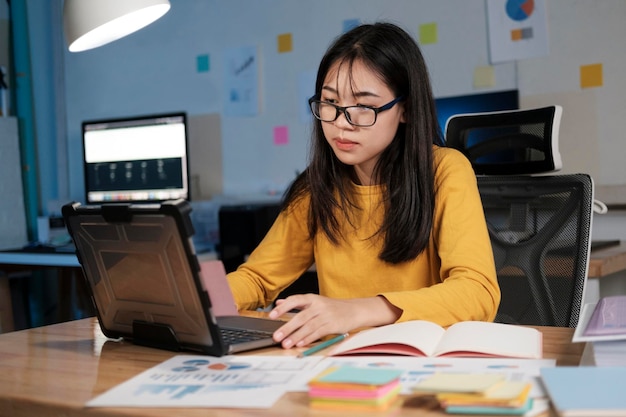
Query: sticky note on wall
x,y
203,64
350,24
285,43
281,135
428,33
591,76
484,77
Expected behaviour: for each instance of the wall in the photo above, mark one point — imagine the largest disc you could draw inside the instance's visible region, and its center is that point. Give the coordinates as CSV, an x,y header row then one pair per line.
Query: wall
x,y
155,70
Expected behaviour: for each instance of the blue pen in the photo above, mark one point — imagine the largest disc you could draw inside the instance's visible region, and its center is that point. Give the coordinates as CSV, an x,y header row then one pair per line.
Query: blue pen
x,y
323,345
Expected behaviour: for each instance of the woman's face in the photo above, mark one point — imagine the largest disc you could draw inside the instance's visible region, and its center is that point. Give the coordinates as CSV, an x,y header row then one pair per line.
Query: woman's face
x,y
360,147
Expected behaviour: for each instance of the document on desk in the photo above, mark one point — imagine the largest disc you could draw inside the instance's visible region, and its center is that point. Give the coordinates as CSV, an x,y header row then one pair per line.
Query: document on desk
x,y
205,381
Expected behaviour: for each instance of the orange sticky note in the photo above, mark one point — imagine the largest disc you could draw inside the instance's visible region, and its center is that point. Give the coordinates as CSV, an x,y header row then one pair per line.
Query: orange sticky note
x,y
285,43
591,76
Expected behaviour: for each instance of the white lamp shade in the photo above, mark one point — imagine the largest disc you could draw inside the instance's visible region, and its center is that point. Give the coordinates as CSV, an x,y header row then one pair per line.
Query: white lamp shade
x,y
92,23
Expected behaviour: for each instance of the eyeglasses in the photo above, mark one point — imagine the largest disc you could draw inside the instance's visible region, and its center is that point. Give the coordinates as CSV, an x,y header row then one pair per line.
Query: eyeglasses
x,y
362,116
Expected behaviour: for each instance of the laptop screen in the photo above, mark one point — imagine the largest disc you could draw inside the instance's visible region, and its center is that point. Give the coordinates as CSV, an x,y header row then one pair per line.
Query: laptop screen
x,y
137,159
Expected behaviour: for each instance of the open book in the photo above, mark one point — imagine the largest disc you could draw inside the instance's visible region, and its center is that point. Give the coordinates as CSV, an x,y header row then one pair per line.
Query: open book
x,y
424,338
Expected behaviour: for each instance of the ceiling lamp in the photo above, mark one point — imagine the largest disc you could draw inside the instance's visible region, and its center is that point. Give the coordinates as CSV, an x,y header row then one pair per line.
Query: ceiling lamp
x,y
92,23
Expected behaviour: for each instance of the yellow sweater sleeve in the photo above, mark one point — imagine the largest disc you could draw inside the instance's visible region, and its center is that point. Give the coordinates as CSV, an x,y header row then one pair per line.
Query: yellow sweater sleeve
x,y
284,254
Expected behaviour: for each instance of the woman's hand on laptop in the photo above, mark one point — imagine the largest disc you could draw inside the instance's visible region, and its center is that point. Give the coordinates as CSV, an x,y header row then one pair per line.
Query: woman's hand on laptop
x,y
321,316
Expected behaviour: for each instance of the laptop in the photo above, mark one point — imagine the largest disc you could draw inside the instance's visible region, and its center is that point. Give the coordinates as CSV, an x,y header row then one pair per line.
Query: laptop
x,y
145,280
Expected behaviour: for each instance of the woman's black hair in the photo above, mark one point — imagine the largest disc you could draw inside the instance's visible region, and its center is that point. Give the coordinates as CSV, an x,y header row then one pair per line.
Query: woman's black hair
x,y
405,168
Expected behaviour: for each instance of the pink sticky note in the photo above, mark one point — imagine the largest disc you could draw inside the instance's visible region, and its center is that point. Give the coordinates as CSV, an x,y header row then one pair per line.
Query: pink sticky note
x,y
281,135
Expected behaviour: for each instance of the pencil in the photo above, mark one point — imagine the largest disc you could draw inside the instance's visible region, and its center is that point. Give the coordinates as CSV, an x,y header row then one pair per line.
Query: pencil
x,y
323,345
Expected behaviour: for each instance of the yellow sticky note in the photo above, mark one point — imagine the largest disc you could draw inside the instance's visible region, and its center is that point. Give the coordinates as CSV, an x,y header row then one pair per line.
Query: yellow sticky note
x,y
484,77
463,382
285,43
591,76
428,33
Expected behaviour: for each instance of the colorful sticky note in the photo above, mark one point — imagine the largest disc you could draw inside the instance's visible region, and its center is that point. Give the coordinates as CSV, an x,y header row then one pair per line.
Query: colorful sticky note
x,y
484,77
428,33
591,76
281,135
285,43
202,63
350,24
354,375
458,382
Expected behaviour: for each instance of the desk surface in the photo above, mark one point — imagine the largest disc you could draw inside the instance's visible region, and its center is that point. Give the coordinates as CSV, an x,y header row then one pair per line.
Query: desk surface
x,y
57,259
54,370
606,261
39,259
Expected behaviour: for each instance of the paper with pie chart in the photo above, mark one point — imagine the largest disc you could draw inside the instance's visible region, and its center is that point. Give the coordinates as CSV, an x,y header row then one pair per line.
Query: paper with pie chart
x,y
206,381
517,29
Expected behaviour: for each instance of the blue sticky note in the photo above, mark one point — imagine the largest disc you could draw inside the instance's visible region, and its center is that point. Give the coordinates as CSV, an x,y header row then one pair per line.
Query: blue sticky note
x,y
202,63
370,376
350,24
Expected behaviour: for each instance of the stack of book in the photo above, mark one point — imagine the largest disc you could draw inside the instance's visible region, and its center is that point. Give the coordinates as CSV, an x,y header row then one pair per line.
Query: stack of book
x,y
474,393
355,389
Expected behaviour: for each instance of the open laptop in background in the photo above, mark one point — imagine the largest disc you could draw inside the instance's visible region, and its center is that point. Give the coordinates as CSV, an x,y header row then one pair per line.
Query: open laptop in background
x,y
146,284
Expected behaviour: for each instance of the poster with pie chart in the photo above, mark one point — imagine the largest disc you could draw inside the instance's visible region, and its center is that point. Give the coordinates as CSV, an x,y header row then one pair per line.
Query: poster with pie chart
x,y
518,29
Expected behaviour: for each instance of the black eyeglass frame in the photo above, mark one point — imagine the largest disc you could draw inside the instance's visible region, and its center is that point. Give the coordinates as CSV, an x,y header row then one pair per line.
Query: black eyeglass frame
x,y
340,109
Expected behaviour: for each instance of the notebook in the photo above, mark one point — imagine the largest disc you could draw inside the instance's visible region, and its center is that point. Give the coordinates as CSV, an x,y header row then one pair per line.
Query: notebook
x,y
146,283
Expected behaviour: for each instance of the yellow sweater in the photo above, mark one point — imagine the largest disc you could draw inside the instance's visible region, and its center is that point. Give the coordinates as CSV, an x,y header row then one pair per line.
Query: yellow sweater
x,y
453,280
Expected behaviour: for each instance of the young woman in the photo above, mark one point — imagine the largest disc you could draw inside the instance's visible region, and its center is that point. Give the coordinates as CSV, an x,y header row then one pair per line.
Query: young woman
x,y
391,219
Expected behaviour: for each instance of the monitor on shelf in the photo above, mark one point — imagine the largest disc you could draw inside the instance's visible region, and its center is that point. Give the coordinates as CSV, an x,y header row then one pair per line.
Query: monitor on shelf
x,y
138,159
475,103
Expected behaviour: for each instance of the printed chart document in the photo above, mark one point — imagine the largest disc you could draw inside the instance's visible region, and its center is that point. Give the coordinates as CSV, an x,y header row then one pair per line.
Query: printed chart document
x,y
463,339
207,381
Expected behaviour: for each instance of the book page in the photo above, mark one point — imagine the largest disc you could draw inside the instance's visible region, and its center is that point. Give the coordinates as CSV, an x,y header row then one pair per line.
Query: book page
x,y
476,338
417,338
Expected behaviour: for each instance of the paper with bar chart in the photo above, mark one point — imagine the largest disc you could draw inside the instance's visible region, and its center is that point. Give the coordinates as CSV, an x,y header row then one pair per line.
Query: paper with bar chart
x,y
518,29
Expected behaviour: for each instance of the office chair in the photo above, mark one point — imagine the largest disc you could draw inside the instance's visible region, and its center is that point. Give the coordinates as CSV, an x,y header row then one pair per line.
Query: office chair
x,y
539,223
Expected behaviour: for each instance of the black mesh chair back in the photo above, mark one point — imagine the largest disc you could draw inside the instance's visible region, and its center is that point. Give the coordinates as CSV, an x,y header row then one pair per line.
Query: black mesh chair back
x,y
508,142
539,223
539,228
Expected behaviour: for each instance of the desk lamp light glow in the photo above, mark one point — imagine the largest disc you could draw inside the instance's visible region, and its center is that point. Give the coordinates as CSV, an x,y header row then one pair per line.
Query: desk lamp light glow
x,y
92,23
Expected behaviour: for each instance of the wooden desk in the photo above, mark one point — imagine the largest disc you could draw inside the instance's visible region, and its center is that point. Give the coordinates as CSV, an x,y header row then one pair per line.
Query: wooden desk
x,y
607,261
54,370
602,264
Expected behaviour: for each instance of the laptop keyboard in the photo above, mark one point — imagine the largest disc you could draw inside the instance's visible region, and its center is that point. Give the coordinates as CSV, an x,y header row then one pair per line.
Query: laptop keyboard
x,y
234,336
